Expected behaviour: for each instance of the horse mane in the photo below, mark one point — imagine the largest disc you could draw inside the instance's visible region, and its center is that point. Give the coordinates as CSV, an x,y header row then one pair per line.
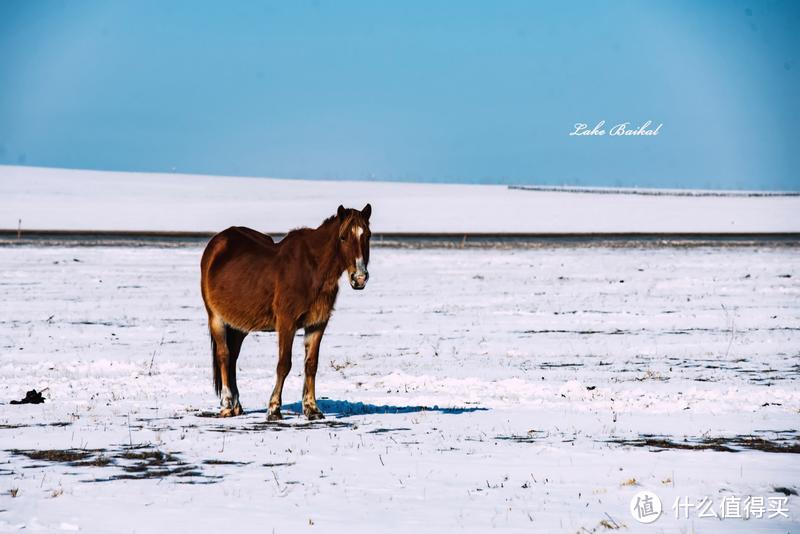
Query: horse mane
x,y
351,213
305,229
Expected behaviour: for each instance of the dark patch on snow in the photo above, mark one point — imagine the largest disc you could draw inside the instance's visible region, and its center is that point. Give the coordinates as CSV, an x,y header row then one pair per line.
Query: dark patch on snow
x,y
615,332
31,397
530,437
56,455
790,445
224,462
97,461
385,430
210,415
135,462
276,426
19,425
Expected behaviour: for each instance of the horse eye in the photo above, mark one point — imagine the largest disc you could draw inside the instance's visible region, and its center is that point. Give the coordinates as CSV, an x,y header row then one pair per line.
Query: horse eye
x,y
342,238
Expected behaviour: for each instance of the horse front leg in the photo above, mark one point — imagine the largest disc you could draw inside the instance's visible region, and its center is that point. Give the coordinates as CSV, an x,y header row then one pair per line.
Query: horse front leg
x,y
313,337
285,339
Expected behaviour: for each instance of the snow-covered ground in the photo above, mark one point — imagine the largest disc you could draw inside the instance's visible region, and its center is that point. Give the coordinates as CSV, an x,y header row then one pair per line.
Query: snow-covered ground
x,y
541,371
59,199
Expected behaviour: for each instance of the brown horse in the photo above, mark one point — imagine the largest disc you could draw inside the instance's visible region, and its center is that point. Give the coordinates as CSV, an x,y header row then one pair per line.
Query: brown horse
x,y
250,283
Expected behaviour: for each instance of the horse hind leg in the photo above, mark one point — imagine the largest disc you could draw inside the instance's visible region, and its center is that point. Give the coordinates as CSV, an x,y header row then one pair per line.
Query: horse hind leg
x,y
234,339
222,366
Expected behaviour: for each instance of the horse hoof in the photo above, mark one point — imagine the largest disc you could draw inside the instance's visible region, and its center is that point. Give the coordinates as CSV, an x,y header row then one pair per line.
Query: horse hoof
x,y
315,416
274,416
237,410
227,412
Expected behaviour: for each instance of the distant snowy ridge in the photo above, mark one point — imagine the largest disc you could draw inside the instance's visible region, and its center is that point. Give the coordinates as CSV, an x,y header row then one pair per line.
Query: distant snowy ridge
x,y
654,192
61,199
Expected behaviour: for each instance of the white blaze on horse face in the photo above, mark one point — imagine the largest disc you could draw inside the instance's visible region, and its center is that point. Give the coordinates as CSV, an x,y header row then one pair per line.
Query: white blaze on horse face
x,y
360,267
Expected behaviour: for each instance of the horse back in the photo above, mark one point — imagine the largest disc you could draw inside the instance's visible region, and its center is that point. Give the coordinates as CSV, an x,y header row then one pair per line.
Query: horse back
x,y
255,236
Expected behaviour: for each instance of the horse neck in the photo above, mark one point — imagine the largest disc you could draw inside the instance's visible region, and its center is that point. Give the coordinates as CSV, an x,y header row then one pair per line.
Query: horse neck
x,y
325,249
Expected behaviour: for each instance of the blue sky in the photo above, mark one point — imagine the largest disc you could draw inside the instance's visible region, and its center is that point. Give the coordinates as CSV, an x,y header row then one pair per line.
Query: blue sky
x,y
474,92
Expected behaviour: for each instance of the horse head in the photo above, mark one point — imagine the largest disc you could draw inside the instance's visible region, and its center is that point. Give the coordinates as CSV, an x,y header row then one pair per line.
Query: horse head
x,y
354,237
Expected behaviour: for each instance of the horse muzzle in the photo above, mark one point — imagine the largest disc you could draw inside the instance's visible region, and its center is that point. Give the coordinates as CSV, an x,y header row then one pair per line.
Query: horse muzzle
x,y
358,279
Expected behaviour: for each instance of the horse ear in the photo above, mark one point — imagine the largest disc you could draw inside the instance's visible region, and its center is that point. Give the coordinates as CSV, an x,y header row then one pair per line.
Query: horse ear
x,y
341,213
366,212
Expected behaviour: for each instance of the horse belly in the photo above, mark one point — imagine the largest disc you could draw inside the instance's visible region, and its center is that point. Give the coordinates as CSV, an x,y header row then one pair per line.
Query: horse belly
x,y
246,316
241,306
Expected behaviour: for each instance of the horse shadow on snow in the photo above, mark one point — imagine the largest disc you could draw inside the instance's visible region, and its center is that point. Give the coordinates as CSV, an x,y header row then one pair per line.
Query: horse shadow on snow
x,y
341,408
336,411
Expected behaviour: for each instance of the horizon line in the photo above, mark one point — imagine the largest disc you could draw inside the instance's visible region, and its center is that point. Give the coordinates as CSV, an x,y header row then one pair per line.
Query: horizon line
x,y
565,187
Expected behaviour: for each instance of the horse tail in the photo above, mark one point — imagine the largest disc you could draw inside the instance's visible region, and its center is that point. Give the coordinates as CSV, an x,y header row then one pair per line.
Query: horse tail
x,y
215,366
